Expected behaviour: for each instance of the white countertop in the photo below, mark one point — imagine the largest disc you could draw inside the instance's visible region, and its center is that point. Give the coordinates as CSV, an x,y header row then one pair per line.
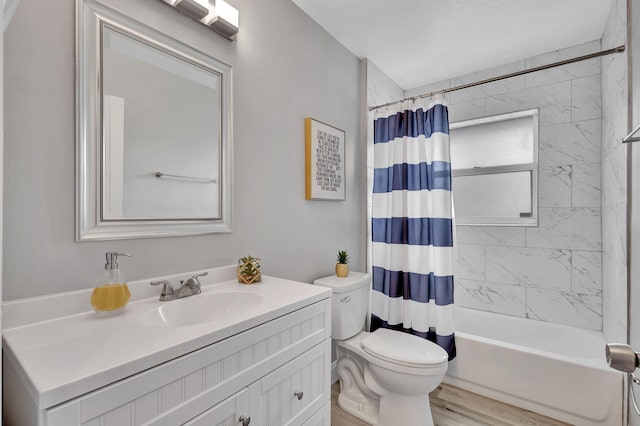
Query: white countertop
x,y
62,358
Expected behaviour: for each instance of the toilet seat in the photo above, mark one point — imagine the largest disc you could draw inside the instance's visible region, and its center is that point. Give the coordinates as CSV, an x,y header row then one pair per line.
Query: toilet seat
x,y
404,349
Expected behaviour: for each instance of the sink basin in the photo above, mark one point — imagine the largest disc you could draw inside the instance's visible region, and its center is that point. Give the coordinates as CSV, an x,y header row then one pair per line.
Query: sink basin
x,y
201,308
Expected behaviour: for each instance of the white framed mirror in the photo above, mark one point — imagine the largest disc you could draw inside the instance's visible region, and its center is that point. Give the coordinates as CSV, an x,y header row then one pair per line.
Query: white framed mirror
x,y
153,132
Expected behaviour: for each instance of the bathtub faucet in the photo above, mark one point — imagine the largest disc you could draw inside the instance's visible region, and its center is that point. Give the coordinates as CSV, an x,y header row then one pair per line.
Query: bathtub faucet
x,y
621,357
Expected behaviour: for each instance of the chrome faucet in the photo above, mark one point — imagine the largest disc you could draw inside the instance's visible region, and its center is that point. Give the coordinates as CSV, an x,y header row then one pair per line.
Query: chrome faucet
x,y
188,287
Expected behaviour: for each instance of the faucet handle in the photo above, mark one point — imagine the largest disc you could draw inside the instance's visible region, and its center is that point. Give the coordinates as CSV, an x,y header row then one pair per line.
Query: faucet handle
x,y
167,288
191,285
196,276
193,280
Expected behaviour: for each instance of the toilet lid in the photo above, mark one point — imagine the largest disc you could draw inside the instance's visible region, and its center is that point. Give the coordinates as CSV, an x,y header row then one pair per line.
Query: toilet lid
x,y
403,349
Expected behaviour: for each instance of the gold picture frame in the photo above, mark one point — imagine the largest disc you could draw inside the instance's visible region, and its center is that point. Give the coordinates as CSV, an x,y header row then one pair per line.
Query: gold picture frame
x,y
325,177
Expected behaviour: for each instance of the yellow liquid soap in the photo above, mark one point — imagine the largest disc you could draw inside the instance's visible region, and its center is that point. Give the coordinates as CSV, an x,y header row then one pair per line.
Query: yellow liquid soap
x,y
110,297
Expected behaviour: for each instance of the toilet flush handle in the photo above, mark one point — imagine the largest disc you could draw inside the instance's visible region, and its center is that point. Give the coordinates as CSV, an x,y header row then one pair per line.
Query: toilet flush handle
x,y
346,299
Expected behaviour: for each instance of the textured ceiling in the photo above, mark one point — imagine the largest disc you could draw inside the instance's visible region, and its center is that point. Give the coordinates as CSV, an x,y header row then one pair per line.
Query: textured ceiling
x,y
416,42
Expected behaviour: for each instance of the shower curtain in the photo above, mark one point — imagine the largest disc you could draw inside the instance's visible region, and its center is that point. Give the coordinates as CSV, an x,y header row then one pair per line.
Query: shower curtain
x,y
412,228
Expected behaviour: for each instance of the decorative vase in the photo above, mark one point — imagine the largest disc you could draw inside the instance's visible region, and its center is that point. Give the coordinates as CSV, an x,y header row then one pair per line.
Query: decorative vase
x,y
342,269
249,270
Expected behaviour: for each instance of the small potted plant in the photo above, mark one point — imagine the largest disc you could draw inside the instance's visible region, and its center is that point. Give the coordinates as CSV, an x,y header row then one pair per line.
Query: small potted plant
x,y
342,267
249,270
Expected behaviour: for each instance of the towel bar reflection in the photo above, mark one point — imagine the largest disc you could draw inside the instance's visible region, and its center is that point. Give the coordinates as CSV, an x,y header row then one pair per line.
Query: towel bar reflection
x,y
630,137
180,177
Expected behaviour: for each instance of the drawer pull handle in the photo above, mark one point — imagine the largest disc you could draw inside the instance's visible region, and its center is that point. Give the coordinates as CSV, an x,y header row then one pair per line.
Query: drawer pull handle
x,y
245,420
346,299
298,394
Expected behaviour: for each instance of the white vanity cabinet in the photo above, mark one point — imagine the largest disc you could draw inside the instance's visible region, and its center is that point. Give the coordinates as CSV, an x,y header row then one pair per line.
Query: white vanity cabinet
x,y
276,373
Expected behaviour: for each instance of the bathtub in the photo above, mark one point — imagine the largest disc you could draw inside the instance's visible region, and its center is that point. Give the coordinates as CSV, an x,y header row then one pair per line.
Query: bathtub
x,y
554,370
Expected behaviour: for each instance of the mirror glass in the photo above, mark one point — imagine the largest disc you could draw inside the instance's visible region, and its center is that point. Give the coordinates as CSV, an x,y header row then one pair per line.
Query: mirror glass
x,y
154,139
161,144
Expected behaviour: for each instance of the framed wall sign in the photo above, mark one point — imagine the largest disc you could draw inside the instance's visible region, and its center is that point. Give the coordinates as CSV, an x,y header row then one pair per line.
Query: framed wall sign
x,y
324,155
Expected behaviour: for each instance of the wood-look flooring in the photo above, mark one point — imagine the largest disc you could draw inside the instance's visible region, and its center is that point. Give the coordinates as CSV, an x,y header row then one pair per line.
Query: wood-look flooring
x,y
451,406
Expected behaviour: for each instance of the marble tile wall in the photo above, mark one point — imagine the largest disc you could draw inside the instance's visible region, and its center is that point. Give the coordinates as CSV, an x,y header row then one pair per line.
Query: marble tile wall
x,y
614,176
380,88
552,272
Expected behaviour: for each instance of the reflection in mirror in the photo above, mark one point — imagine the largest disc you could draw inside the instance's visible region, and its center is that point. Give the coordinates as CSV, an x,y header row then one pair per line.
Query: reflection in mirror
x,y
154,132
161,147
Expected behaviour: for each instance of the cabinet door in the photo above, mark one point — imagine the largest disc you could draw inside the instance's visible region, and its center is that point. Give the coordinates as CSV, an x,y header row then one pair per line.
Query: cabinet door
x,y
322,417
227,413
293,393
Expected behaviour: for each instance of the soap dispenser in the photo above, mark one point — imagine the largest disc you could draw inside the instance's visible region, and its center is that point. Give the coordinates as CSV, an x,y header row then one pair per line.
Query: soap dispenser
x,y
111,294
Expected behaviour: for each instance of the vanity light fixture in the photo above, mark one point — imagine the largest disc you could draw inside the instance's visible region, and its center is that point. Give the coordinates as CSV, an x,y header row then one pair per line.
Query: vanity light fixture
x,y
218,15
223,19
196,9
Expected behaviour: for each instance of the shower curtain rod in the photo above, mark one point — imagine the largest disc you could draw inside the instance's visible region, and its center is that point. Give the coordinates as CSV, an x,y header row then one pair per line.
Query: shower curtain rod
x,y
502,77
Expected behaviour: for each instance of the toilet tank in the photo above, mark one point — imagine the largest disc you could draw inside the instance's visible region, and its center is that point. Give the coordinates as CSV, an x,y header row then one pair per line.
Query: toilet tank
x,y
349,303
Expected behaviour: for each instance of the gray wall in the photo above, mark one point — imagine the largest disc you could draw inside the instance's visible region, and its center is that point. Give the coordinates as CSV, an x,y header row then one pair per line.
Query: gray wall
x,y
285,68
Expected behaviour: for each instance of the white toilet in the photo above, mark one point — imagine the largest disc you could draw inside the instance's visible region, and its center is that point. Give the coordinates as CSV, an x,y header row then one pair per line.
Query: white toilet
x,y
385,376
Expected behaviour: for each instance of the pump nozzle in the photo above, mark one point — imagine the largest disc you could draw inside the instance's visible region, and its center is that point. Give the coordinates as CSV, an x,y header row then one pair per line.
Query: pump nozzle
x,y
112,259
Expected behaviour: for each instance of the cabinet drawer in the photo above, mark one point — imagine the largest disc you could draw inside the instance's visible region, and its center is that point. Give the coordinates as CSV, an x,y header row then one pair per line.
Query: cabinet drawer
x,y
173,392
293,393
226,413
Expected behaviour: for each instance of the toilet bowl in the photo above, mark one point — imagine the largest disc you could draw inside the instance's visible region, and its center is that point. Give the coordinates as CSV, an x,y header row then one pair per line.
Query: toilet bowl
x,y
386,375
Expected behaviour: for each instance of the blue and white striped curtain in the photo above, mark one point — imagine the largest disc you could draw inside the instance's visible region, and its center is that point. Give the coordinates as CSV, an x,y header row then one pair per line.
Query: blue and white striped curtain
x,y
412,227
